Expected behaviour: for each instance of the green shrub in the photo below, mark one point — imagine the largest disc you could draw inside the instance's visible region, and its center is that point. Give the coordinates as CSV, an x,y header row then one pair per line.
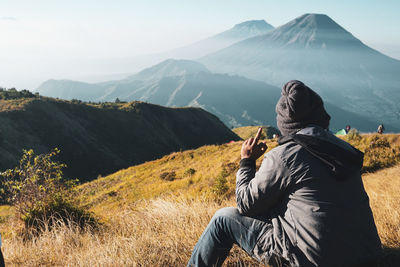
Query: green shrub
x,y
76,101
353,135
379,154
220,187
41,195
13,93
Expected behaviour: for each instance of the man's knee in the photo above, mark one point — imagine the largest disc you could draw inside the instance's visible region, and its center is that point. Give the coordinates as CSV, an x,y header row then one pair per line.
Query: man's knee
x,y
228,212
221,224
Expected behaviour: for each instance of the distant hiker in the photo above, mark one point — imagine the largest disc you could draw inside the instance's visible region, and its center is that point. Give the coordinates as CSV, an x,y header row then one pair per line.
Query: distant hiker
x,y
381,128
347,129
305,206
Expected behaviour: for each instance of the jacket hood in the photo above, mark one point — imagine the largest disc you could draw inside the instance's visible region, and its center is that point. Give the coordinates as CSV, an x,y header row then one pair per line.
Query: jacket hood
x,y
343,162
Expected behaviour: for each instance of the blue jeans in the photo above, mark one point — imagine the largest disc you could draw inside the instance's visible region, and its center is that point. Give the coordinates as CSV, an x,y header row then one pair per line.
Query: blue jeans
x,y
227,227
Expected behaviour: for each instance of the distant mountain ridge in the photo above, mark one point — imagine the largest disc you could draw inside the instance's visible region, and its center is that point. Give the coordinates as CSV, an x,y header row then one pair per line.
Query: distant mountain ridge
x,y
100,139
236,100
178,83
315,49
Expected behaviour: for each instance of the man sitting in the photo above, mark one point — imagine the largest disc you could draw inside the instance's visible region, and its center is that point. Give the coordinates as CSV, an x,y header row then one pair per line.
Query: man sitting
x,y
306,205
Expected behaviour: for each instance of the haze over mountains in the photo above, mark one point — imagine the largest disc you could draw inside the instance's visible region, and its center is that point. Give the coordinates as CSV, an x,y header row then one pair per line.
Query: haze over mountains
x,y
224,39
358,84
239,32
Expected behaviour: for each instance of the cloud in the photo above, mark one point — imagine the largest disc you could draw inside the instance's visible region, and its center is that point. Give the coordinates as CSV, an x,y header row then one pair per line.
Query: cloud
x,y
7,18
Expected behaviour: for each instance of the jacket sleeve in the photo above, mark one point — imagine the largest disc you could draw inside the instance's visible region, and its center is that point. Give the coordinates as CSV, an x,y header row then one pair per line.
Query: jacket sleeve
x,y
257,193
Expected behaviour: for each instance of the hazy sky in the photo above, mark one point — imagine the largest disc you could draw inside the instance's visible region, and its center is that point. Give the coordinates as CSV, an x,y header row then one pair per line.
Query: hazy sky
x,y
45,39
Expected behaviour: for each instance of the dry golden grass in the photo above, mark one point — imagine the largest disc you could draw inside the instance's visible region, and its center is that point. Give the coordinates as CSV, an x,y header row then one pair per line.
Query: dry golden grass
x,y
13,105
383,188
159,233
162,232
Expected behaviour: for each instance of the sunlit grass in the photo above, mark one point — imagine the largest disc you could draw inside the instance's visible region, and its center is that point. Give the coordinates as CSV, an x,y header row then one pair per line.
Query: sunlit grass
x,y
145,181
163,231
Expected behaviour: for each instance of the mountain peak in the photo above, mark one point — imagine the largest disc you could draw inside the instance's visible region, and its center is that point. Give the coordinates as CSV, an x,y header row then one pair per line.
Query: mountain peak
x,y
313,30
170,67
246,29
259,24
315,16
319,21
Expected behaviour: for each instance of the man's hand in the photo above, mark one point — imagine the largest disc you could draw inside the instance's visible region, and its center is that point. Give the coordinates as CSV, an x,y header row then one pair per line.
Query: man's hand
x,y
252,149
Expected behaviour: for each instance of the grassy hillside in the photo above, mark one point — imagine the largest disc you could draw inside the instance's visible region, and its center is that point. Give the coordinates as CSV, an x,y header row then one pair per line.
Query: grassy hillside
x,y
98,139
154,219
199,172
194,172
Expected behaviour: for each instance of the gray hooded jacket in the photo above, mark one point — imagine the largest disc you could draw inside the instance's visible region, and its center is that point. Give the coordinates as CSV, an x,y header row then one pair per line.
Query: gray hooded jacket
x,y
318,216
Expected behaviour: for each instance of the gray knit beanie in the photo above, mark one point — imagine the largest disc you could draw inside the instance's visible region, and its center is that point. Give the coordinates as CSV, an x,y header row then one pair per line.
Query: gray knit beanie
x,y
298,107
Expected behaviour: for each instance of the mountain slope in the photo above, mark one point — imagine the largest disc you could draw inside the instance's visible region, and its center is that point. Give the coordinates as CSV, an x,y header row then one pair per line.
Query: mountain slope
x,y
315,49
99,139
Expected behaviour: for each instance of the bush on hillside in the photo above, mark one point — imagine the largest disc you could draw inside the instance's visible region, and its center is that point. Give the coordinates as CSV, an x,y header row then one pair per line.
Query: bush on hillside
x,y
76,101
380,154
41,195
15,94
168,176
220,186
353,135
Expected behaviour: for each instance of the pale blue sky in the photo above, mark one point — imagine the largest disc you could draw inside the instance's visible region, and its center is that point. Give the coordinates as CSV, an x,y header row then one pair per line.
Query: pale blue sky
x,y
45,39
